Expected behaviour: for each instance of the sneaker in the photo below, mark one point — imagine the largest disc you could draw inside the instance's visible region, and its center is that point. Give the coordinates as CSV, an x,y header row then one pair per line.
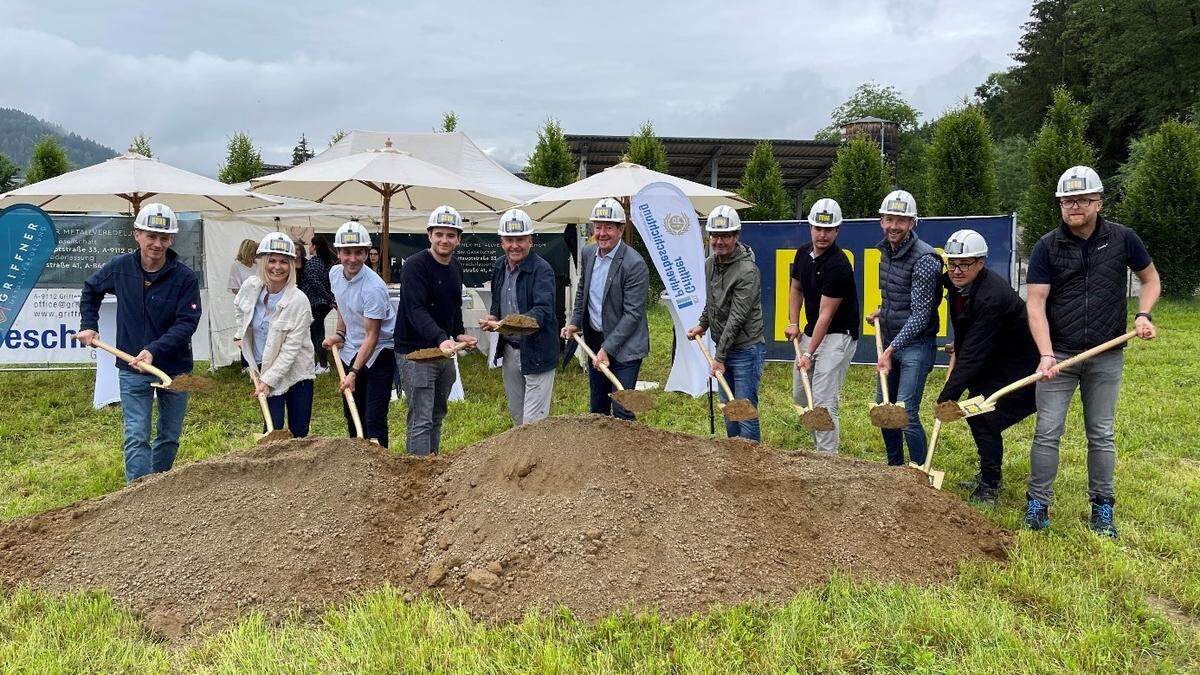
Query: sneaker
x,y
1037,514
1102,517
321,370
985,494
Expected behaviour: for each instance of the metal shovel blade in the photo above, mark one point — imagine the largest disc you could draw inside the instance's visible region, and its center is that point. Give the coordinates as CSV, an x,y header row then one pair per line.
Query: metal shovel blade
x,y
935,477
976,406
949,411
272,436
739,410
633,401
889,416
518,325
817,419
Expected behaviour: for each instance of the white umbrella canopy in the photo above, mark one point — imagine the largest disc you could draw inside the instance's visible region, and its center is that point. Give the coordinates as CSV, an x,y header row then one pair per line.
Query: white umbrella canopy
x,y
375,177
573,203
126,181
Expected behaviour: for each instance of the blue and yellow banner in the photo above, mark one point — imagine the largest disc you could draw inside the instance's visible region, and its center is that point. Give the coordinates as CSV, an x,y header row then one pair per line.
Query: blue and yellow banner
x,y
775,244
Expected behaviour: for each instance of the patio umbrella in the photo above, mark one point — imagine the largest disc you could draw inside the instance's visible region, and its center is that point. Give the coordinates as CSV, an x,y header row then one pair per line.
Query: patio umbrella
x,y
373,178
125,181
573,203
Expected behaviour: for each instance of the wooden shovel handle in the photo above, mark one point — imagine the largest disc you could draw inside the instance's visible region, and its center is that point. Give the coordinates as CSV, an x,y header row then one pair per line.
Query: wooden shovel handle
x,y
148,367
599,366
1078,358
878,352
933,439
341,370
262,402
720,378
804,374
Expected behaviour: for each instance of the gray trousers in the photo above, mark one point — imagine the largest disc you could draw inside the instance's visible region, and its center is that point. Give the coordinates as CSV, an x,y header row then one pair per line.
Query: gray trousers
x,y
528,395
828,374
427,387
1099,382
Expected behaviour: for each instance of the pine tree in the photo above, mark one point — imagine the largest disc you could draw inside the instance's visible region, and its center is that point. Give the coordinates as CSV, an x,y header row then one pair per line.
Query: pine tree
x,y
242,162
449,122
762,186
337,136
1012,172
1059,145
646,149
48,160
551,163
302,153
858,179
9,172
1161,201
960,178
141,145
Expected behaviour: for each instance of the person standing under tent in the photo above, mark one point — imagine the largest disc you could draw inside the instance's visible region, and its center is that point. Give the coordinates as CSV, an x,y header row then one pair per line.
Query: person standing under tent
x,y
431,286
242,267
734,314
523,283
314,282
366,322
273,317
158,310
823,283
610,306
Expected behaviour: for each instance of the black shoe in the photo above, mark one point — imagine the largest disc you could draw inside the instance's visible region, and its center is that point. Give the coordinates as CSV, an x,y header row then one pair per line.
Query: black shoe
x,y
985,494
1037,514
969,484
1102,517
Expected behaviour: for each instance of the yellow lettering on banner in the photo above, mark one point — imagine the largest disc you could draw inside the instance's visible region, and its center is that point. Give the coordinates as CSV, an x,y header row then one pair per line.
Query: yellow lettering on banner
x,y
943,305
783,288
871,295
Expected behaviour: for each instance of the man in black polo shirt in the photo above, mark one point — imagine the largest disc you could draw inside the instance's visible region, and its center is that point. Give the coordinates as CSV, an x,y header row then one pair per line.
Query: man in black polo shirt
x,y
1076,301
823,284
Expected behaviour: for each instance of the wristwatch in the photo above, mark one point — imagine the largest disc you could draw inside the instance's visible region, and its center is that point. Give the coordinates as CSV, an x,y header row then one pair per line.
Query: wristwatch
x,y
807,356
356,370
1145,314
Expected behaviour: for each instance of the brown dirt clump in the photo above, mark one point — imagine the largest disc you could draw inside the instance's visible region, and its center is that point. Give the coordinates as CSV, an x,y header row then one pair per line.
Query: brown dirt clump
x,y
589,512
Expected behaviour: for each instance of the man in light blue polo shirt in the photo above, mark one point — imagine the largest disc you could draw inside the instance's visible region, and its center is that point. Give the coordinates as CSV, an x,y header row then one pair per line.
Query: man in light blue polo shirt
x,y
365,325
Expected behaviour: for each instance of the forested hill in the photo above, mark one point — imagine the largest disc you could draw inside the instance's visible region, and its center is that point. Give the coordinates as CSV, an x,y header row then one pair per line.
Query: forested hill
x,y
20,131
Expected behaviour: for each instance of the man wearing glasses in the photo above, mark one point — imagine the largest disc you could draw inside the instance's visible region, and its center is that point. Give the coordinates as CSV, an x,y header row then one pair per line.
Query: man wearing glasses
x,y
992,348
1076,278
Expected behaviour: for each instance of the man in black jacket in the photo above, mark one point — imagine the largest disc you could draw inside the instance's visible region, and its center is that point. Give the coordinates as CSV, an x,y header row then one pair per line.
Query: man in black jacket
x,y
992,348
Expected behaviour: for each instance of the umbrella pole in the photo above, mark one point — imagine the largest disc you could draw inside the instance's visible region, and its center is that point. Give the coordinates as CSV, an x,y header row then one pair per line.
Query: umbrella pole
x,y
384,238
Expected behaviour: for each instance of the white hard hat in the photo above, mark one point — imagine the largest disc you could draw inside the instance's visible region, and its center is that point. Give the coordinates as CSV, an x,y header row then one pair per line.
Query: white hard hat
x,y
1078,180
966,244
155,217
515,223
899,203
723,219
825,213
277,242
351,235
445,216
607,210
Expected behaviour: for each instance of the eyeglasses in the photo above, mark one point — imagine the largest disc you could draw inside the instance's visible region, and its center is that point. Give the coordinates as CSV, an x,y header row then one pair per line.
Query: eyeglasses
x,y
1076,203
961,267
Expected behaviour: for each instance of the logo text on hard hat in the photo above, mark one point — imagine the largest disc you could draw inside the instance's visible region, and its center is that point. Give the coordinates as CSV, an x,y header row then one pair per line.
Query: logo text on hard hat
x,y
824,217
954,247
350,238
897,205
1074,183
159,221
602,212
279,245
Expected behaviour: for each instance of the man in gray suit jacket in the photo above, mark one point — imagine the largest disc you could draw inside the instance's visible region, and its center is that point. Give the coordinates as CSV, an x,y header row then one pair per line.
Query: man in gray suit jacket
x,y
610,305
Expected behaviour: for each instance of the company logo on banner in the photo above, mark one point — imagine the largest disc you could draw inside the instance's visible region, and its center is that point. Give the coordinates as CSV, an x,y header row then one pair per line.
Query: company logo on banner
x,y
666,220
27,240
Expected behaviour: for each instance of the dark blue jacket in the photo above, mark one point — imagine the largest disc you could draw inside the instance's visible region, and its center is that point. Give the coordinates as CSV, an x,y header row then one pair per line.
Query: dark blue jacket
x,y
160,318
535,297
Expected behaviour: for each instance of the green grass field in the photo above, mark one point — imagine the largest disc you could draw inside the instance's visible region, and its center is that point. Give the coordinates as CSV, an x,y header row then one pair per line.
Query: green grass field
x,y
1067,600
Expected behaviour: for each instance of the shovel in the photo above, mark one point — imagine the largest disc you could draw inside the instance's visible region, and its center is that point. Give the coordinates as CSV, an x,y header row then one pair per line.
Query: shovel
x,y
949,411
935,477
631,399
341,370
886,415
435,353
518,325
183,383
737,409
815,418
272,434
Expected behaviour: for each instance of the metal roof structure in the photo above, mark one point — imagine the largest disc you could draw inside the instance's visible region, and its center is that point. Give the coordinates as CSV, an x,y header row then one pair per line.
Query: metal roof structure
x,y
718,162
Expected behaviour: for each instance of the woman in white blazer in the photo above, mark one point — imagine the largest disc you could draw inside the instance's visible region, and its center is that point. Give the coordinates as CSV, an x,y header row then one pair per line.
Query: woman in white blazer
x,y
273,319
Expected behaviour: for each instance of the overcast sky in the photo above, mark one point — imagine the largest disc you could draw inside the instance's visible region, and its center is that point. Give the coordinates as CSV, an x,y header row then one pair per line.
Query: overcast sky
x,y
190,74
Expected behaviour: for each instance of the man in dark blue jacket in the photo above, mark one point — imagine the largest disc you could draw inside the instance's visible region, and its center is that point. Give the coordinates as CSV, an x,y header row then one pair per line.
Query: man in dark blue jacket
x,y
523,283
158,309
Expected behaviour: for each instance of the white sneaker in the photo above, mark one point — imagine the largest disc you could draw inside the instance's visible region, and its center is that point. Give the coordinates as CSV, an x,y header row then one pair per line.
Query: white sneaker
x,y
321,370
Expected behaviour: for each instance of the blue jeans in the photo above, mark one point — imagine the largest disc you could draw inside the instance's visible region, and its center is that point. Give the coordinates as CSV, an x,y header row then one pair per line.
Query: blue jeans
x,y
137,399
743,372
298,400
906,384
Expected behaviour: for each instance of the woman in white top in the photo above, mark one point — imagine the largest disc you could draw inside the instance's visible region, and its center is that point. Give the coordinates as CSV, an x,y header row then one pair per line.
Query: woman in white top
x,y
273,318
243,266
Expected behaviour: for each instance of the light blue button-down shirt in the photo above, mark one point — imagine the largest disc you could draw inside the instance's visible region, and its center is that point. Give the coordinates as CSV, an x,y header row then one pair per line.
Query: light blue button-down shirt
x,y
600,269
363,297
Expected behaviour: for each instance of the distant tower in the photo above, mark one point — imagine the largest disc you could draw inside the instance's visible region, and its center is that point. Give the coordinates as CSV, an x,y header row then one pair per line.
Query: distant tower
x,y
882,133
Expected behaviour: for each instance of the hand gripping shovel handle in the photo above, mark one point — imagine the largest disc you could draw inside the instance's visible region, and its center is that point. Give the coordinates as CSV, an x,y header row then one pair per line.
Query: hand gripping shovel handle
x,y
720,378
600,366
262,403
1081,356
149,368
878,351
341,370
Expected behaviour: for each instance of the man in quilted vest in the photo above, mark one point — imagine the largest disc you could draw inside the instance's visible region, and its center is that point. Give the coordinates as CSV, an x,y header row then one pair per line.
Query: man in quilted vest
x,y
1076,300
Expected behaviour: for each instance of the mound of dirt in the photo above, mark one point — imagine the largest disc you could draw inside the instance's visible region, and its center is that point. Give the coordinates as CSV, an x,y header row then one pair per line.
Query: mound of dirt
x,y
589,512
